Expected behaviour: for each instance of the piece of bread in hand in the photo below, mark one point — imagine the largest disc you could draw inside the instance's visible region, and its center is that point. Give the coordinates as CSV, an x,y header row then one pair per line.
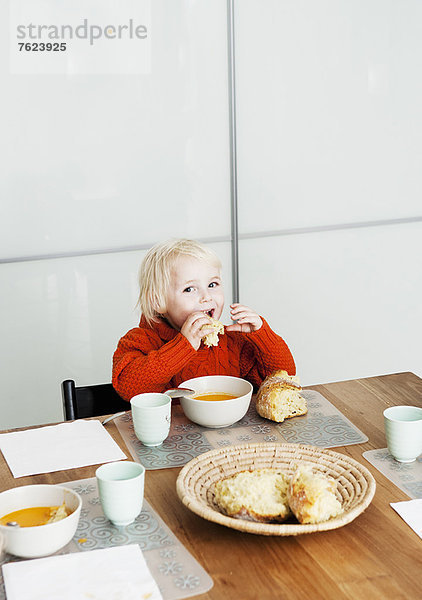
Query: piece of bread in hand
x,y
212,338
279,398
259,495
311,496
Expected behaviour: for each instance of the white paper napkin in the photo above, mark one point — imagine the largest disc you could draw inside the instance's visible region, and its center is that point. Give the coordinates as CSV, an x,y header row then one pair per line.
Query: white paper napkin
x,y
58,447
411,512
113,573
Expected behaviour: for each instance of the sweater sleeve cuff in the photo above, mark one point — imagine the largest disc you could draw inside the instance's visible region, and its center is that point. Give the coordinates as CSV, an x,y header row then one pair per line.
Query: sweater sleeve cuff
x,y
264,337
177,353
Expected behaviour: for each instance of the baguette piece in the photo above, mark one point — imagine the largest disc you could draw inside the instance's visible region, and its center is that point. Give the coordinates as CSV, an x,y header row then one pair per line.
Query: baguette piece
x,y
279,397
259,495
312,497
212,338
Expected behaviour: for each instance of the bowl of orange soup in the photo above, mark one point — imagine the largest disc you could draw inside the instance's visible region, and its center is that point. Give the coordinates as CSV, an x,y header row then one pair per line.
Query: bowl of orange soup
x,y
219,400
45,517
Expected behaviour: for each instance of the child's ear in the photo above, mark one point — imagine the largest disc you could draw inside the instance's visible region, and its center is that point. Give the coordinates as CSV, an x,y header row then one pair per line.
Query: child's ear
x,y
160,310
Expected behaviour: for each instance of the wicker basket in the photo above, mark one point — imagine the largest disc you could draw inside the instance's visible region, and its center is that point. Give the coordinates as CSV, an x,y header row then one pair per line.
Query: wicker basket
x,y
195,483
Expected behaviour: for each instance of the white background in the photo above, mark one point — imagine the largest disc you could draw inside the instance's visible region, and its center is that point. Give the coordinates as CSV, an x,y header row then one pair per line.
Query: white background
x,y
329,133
329,98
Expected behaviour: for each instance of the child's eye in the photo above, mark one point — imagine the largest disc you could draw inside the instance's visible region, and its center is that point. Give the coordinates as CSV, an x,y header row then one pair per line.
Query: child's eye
x,y
188,289
213,284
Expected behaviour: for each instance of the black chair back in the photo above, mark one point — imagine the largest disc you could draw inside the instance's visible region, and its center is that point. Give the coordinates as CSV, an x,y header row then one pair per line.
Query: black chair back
x,y
90,400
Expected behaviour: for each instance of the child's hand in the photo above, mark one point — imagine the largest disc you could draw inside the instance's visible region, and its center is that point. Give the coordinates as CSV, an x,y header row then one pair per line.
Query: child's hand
x,y
192,328
247,319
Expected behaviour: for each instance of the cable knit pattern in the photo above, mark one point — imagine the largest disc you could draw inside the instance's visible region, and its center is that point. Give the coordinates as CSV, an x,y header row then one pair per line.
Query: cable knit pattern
x,y
154,359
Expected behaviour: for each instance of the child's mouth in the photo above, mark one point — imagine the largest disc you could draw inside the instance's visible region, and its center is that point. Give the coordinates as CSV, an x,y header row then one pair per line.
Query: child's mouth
x,y
210,312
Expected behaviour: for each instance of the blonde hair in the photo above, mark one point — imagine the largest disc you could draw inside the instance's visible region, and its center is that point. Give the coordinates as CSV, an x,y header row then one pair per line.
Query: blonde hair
x,y
155,272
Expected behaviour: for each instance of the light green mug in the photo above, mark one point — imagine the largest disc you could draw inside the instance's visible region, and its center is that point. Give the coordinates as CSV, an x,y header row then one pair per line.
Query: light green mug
x,y
121,490
151,416
403,431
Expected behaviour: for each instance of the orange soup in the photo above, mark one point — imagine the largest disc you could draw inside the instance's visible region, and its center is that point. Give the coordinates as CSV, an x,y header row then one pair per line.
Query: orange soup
x,y
214,396
35,516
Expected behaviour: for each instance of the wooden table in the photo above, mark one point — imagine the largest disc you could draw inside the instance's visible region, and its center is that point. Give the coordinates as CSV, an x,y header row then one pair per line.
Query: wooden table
x,y
377,556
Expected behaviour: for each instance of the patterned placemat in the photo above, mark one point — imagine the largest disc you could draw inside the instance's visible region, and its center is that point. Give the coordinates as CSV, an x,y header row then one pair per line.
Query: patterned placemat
x,y
406,476
177,573
323,426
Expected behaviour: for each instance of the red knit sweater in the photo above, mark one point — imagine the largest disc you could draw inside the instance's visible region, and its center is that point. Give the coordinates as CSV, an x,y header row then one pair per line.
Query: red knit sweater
x,y
154,359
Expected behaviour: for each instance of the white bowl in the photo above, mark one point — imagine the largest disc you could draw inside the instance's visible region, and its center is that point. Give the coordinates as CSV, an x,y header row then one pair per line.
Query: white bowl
x,y
31,542
217,413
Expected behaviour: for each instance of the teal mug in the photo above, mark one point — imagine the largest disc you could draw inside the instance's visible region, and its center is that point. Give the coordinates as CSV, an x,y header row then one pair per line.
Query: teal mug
x,y
403,431
151,416
121,490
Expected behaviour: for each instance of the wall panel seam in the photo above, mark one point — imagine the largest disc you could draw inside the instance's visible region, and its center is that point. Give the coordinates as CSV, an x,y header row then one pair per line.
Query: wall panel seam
x,y
233,150
222,239
329,227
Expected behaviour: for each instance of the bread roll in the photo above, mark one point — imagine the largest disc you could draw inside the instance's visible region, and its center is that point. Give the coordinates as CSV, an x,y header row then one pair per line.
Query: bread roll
x,y
212,338
279,397
312,497
259,495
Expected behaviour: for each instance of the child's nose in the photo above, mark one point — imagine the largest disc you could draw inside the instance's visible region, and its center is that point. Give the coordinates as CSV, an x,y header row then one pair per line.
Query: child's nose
x,y
205,296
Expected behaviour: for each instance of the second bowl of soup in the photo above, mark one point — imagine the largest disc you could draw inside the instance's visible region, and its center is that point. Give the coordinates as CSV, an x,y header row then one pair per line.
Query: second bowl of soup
x,y
37,520
219,400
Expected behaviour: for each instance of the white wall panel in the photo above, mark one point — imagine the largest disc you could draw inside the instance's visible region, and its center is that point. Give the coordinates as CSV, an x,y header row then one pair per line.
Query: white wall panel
x,y
328,111
111,161
347,302
62,319
103,161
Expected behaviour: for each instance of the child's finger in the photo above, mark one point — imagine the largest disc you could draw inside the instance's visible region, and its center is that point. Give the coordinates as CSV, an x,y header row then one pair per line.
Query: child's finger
x,y
198,317
244,327
236,308
244,315
240,309
202,330
233,327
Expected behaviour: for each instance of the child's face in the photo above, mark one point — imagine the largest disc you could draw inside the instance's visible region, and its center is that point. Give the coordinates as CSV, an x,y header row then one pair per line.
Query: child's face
x,y
195,286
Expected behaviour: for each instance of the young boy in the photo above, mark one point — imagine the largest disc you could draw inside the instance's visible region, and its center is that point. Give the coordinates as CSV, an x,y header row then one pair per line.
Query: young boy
x,y
180,289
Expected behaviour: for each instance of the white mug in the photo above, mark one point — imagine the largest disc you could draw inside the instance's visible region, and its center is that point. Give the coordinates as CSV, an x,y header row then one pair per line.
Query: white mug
x,y
403,430
151,416
121,489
